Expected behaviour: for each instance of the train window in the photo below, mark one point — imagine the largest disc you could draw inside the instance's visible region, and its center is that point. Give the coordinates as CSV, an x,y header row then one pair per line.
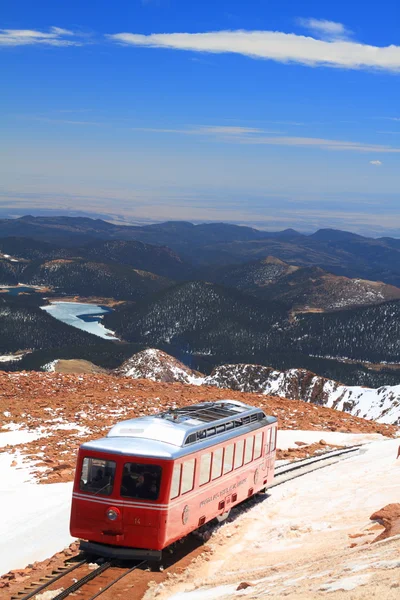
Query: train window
x,y
228,459
248,453
258,445
239,454
176,480
267,440
205,464
216,468
187,476
97,476
273,443
141,481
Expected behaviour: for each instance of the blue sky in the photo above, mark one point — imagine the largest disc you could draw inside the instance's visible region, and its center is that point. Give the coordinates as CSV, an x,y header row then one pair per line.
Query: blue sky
x,y
276,114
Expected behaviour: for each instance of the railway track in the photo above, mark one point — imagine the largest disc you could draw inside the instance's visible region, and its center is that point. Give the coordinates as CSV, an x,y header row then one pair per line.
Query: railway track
x,y
304,466
85,587
95,582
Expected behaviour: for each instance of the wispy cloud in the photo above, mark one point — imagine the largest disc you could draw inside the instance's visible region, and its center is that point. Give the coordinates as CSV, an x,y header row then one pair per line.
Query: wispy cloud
x,y
376,163
55,36
274,45
322,143
216,130
255,136
327,30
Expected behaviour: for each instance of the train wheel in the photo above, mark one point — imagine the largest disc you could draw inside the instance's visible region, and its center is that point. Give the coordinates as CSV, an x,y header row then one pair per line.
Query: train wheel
x,y
224,516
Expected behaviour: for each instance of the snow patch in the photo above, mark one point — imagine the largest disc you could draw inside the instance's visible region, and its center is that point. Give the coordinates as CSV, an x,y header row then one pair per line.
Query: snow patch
x,y
37,523
346,584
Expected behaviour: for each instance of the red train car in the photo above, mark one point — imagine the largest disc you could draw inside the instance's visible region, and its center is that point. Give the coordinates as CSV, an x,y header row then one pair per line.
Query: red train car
x,y
155,479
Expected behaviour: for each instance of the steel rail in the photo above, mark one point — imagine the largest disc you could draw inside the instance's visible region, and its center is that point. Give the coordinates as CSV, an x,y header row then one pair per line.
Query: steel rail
x,y
99,593
297,467
317,457
42,587
81,582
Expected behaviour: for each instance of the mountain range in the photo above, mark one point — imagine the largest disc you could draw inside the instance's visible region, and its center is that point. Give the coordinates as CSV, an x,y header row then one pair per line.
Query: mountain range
x,y
207,244
207,294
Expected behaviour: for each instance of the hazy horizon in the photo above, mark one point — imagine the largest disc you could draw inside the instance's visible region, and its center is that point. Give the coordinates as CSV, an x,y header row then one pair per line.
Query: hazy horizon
x,y
265,114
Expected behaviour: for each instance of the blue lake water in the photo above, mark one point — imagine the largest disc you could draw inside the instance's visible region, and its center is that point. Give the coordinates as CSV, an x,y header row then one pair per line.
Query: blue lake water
x,y
83,316
14,291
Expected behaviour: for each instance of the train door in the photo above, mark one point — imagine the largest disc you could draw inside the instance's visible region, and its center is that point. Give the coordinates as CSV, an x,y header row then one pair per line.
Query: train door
x,y
266,454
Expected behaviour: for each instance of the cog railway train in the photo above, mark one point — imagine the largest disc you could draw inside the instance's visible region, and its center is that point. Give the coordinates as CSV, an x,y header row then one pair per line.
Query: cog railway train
x,y
155,479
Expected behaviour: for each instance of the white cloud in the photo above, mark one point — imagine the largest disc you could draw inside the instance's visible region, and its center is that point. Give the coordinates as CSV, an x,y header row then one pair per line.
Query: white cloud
x,y
61,31
376,163
28,37
329,30
274,45
250,135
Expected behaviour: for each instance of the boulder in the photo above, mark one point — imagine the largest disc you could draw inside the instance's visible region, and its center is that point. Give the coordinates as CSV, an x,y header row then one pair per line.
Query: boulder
x,y
389,517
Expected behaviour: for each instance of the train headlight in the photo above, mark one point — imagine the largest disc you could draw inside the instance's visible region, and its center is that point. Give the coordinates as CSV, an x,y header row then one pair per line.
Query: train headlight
x,y
112,514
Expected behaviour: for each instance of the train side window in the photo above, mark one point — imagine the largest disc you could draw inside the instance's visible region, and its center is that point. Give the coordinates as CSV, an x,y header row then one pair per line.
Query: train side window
x,y
205,464
258,445
239,454
228,459
267,440
188,476
216,469
97,476
273,443
176,480
248,453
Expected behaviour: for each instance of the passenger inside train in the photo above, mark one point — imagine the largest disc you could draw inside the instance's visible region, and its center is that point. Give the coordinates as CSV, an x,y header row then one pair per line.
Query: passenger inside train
x,y
141,481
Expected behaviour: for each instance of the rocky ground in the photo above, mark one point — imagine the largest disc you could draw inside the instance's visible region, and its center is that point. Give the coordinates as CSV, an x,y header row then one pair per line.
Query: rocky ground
x,y
62,411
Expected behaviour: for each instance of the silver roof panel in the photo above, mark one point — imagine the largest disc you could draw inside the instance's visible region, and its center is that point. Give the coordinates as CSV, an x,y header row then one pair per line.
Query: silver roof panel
x,y
179,432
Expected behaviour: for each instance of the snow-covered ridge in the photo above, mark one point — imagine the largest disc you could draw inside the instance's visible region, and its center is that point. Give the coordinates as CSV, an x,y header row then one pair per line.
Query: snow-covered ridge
x,y
382,404
159,366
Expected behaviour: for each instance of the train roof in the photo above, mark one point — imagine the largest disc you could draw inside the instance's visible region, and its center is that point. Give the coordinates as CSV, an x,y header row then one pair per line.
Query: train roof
x,y
181,431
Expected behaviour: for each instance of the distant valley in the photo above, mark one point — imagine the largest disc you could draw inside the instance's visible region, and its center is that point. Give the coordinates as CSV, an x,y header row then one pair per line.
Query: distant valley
x,y
207,294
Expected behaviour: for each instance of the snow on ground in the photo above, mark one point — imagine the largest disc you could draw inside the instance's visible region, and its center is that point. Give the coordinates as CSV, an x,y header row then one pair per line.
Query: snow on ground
x,y
35,518
381,404
287,438
10,357
295,543
71,313
15,436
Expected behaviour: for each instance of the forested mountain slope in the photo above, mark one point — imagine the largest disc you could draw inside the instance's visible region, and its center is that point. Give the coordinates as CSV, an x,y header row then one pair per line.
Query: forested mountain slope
x,y
199,322
200,317
156,259
302,288
86,278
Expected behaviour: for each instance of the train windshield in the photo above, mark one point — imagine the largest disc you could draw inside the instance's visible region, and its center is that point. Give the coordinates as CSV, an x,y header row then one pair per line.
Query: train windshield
x,y
141,481
97,476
